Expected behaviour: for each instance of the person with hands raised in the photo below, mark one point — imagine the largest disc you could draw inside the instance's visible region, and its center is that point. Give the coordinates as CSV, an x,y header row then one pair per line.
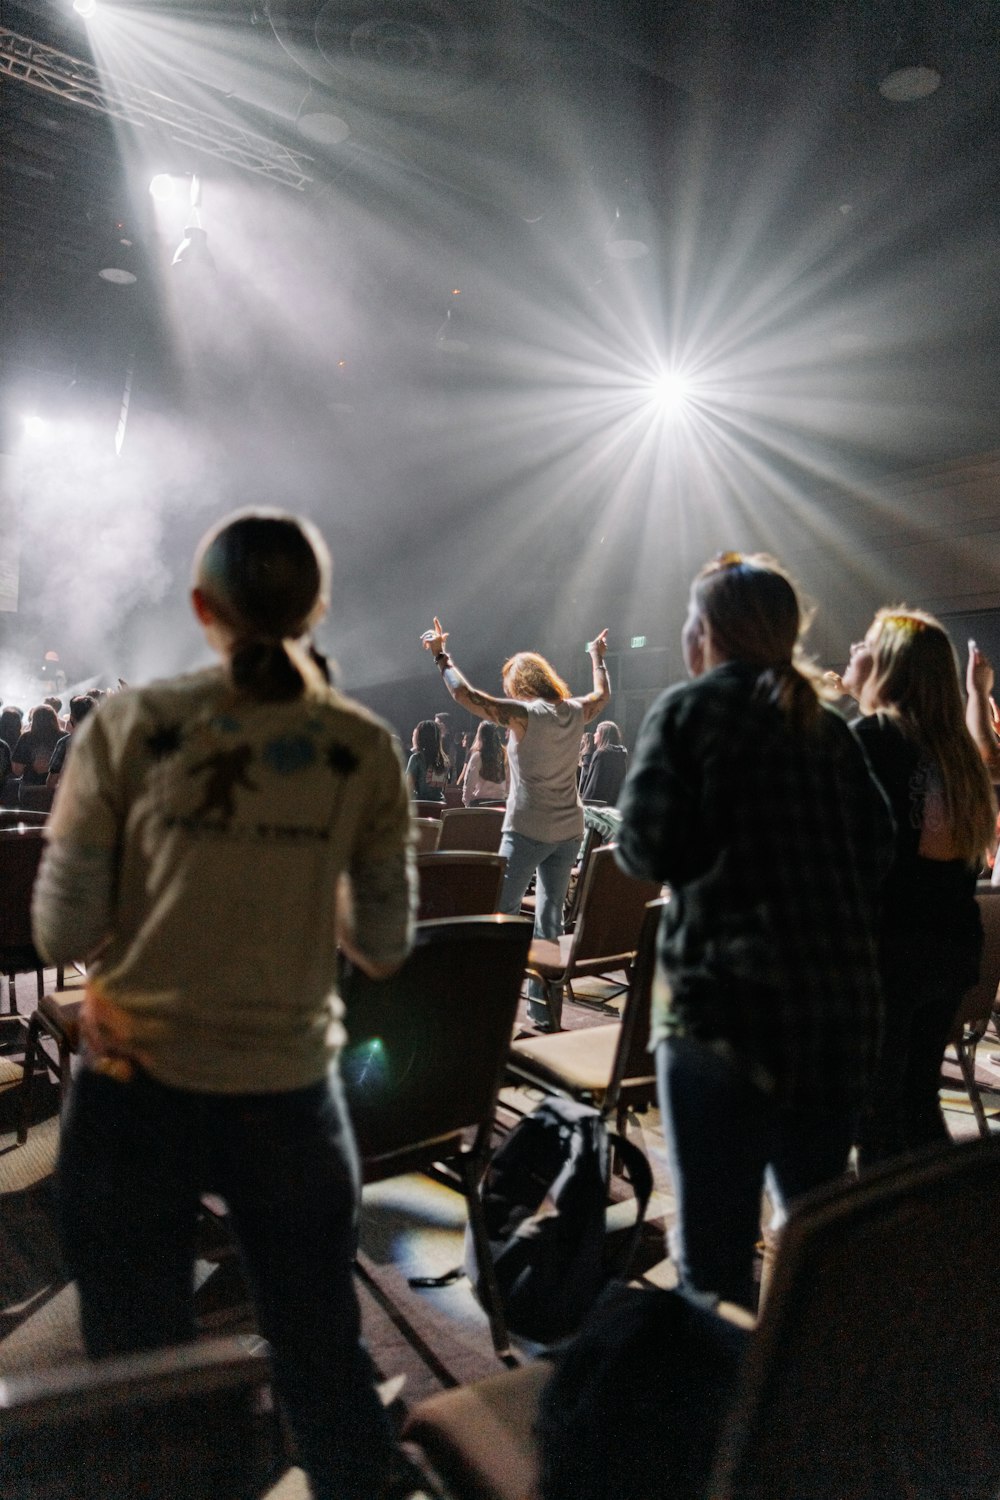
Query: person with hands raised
x,y
982,718
543,825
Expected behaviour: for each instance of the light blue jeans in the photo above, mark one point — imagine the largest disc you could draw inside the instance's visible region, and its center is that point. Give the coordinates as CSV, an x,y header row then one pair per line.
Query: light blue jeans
x,y
552,865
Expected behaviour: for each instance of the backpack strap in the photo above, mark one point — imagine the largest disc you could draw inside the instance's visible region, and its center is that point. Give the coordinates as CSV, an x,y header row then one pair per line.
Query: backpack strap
x,y
640,1178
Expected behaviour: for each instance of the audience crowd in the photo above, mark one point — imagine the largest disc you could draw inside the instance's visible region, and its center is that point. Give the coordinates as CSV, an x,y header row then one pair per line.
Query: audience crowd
x,y
821,838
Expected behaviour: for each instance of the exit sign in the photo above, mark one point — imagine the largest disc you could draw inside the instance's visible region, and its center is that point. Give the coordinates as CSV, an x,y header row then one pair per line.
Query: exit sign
x,y
637,641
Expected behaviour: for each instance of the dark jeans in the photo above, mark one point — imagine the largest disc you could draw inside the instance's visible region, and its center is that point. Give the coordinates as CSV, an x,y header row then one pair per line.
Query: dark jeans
x,y
904,1108
725,1137
134,1160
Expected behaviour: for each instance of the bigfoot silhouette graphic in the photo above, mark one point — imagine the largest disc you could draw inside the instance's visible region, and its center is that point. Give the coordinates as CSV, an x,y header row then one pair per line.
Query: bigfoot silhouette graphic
x,y
228,771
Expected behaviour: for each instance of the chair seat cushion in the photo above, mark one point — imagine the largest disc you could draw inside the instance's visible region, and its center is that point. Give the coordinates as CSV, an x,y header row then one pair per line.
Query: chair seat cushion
x,y
480,1438
550,957
62,1015
575,1060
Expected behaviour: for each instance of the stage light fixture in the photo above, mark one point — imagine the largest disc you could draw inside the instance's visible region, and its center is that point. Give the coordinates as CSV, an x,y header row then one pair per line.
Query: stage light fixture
x,y
162,187
85,8
193,249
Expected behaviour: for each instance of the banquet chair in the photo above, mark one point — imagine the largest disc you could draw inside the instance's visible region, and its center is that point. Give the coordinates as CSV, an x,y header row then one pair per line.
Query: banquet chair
x,y
472,828
606,934
459,883
57,1017
427,832
609,1066
427,808
592,839
426,1059
21,850
978,1002
871,1371
36,798
178,1424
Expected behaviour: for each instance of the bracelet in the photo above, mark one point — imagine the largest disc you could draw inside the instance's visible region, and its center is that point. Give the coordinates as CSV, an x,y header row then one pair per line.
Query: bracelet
x,y
443,660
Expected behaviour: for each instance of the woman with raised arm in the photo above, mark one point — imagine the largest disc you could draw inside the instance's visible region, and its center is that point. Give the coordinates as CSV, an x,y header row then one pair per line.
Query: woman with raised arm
x,y
754,801
543,825
196,849
905,677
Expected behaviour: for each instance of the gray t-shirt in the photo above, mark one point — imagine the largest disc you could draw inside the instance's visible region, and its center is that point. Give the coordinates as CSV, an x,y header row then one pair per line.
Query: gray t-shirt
x,y
543,802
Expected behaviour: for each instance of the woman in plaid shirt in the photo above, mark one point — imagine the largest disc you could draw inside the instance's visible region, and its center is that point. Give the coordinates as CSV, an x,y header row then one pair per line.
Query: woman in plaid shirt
x,y
755,803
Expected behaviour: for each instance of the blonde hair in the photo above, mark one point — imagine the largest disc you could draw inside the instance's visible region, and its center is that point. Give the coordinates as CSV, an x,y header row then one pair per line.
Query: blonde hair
x,y
754,614
915,678
527,675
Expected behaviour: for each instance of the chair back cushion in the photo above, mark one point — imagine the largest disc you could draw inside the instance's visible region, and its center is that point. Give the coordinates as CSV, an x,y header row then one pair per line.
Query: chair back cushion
x,y
427,1046
36,798
472,828
427,833
186,1422
21,850
612,905
873,1371
459,883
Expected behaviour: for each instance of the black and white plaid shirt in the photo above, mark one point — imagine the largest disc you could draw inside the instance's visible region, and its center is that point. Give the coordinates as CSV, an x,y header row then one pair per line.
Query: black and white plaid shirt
x,y
775,844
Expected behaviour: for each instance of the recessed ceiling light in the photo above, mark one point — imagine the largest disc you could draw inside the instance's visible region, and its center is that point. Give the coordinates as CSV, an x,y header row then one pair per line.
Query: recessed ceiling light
x,y
903,85
322,127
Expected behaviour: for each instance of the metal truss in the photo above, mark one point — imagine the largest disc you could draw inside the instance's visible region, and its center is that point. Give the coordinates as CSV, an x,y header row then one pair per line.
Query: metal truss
x,y
69,78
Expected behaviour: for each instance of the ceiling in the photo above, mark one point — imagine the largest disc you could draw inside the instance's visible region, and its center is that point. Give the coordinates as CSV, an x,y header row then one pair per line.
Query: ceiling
x,y
517,112
829,256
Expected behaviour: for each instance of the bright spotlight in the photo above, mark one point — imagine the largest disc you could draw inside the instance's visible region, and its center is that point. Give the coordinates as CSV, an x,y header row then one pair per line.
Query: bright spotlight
x,y
162,187
85,8
34,425
671,390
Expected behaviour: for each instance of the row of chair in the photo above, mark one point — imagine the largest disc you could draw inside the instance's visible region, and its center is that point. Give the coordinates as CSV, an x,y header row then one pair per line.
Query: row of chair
x,y
459,827
871,1370
17,793
422,1074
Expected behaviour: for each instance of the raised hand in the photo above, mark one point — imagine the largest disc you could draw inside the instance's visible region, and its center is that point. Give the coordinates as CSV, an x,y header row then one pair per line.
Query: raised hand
x,y
435,640
597,648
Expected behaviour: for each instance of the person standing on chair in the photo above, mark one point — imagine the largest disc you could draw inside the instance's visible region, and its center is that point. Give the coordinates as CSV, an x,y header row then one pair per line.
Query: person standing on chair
x,y
543,824
756,804
208,833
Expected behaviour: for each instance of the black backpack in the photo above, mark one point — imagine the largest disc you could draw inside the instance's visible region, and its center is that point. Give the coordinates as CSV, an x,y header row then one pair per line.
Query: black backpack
x,y
638,1399
545,1198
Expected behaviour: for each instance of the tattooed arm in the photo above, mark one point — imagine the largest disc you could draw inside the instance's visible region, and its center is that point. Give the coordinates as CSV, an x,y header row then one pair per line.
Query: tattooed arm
x,y
504,711
596,701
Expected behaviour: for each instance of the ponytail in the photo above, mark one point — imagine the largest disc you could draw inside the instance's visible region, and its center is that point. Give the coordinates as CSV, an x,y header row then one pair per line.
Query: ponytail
x,y
266,671
791,692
